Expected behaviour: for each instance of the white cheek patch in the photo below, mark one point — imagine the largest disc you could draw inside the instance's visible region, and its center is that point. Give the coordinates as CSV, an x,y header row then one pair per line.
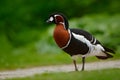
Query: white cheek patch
x,y
51,19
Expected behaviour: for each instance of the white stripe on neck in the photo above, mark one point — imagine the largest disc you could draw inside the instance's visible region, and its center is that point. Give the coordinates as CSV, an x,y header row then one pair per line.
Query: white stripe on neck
x,y
68,41
63,24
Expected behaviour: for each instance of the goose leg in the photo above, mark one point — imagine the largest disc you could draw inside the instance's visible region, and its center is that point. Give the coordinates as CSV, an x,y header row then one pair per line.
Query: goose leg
x,y
83,63
74,61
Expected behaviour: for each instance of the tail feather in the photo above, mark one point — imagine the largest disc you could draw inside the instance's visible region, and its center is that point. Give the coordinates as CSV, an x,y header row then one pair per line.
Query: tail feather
x,y
106,53
105,57
109,50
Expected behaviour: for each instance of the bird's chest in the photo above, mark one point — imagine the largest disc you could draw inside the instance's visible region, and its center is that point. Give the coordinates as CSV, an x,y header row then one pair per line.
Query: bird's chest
x,y
61,36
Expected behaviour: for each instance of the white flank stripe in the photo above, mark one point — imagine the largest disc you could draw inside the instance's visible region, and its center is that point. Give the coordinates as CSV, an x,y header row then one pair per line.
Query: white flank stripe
x,y
91,40
68,41
81,38
94,50
94,41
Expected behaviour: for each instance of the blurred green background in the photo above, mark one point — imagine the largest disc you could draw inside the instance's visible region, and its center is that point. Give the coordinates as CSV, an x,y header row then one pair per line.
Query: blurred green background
x,y
26,39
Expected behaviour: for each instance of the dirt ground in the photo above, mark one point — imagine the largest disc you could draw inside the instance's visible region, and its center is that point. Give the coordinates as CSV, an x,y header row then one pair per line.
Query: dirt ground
x,y
60,68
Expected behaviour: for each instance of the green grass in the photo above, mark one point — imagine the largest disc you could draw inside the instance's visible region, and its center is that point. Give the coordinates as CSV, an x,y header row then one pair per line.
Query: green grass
x,y
28,60
108,74
28,57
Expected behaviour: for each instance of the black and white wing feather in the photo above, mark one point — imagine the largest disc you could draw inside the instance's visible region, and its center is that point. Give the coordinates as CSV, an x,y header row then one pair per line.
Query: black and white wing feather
x,y
87,35
90,38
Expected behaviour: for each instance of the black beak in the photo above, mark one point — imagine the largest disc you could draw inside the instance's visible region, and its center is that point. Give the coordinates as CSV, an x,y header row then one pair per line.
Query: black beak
x,y
48,21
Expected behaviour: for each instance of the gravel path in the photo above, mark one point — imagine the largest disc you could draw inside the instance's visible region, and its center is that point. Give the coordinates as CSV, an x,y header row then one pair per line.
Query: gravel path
x,y
60,68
